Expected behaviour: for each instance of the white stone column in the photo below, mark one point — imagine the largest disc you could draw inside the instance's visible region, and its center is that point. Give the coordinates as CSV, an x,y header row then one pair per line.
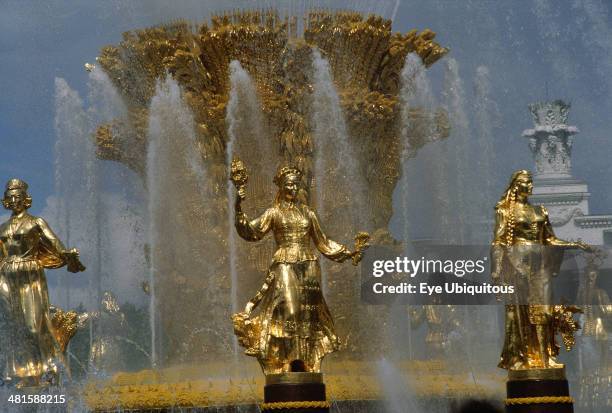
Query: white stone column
x,y
551,140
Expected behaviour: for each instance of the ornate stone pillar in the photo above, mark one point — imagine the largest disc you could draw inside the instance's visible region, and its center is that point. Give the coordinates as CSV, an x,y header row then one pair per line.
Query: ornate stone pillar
x,y
550,142
551,139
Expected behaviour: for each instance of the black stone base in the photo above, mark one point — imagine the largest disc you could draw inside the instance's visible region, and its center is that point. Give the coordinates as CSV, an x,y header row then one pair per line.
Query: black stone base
x,y
538,388
296,392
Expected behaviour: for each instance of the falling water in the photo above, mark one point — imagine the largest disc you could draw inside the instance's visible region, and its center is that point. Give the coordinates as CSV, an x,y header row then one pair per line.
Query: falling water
x,y
416,93
596,36
105,105
246,126
75,186
336,165
120,204
248,141
487,117
105,102
561,61
457,157
174,180
120,196
90,211
339,184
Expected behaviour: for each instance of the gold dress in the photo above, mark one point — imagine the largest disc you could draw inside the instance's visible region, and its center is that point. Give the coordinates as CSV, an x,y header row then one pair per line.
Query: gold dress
x,y
529,263
293,323
27,246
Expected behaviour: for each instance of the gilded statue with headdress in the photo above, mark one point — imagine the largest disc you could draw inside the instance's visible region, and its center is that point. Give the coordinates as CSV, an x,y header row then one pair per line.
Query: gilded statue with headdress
x,y
32,352
287,324
527,254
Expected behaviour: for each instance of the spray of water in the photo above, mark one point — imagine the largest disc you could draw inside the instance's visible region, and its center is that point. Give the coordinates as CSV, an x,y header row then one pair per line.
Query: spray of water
x,y
336,164
249,141
396,391
456,149
417,116
174,179
597,36
75,183
487,117
120,199
339,184
561,61
88,211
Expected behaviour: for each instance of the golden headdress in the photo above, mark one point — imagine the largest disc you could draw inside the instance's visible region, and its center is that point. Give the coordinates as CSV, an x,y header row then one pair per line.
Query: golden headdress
x,y
285,172
16,183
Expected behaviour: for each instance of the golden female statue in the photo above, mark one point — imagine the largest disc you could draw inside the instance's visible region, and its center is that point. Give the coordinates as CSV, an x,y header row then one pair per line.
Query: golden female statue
x,y
293,328
27,246
526,253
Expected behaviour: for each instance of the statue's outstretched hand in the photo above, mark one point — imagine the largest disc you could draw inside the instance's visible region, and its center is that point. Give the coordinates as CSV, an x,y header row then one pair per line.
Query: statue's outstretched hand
x,y
584,246
361,244
73,263
356,257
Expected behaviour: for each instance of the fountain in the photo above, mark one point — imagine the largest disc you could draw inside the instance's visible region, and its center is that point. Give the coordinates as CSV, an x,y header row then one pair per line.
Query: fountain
x,y
337,94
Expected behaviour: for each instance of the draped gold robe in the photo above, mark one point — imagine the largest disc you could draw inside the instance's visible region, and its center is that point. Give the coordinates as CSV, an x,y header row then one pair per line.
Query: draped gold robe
x,y
29,346
293,323
529,264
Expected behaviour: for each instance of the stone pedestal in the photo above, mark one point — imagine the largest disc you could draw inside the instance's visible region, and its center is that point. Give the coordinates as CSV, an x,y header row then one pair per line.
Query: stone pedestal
x,y
295,392
538,391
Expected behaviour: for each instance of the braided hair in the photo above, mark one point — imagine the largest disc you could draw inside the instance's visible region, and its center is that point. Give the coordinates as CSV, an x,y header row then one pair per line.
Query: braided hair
x,y
508,202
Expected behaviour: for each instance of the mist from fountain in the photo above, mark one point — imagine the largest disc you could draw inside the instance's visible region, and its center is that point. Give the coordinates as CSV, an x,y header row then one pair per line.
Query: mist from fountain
x,y
75,206
120,199
416,93
120,202
248,140
448,168
175,177
486,118
75,184
336,166
396,390
339,192
457,147
415,89
235,70
94,207
105,103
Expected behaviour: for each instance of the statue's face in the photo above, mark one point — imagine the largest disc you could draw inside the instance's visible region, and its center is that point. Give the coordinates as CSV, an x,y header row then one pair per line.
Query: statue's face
x,y
290,188
15,200
524,185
